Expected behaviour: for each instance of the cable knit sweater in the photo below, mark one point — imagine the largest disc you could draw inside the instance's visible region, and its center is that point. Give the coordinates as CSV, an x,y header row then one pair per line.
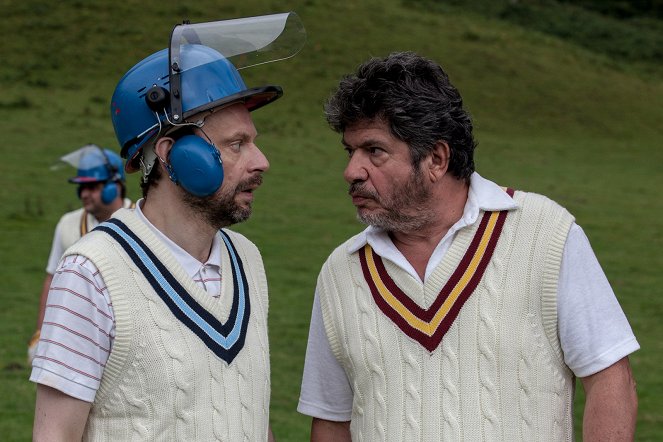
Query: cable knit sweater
x,y
495,372
162,381
72,226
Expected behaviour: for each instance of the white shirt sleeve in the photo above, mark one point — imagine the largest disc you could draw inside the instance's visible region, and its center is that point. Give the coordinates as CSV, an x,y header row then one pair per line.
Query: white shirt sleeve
x,y
326,392
593,330
56,250
78,331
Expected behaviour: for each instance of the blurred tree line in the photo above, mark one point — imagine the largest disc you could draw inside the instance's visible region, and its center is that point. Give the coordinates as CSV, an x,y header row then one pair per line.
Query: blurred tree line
x,y
621,8
624,31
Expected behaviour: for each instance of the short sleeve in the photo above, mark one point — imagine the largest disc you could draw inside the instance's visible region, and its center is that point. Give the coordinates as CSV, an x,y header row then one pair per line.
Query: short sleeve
x,y
77,332
593,329
326,392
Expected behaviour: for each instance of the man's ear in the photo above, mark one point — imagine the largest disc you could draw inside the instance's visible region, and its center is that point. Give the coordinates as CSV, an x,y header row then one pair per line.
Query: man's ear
x,y
438,160
162,149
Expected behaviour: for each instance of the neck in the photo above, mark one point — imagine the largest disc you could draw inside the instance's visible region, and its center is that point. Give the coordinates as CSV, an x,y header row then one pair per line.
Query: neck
x,y
105,213
448,204
173,219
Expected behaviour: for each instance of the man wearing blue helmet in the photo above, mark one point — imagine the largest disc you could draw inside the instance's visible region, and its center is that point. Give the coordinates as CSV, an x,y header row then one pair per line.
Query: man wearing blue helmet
x,y
101,189
166,338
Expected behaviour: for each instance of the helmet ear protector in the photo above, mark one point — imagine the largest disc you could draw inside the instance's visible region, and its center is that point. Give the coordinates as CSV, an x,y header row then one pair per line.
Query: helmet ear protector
x,y
109,192
195,165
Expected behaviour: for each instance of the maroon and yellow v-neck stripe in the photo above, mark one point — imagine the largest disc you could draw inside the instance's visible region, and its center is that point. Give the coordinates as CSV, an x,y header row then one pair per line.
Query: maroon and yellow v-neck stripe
x,y
428,326
83,227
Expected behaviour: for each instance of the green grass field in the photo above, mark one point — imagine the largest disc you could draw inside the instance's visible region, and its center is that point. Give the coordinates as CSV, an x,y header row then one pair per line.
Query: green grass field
x,y
552,116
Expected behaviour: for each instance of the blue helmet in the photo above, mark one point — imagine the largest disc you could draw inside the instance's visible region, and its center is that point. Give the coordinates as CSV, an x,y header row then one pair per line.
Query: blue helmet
x,y
95,164
140,108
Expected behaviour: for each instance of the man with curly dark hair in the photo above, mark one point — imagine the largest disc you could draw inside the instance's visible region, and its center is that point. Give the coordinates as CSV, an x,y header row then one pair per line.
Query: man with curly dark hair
x,y
464,311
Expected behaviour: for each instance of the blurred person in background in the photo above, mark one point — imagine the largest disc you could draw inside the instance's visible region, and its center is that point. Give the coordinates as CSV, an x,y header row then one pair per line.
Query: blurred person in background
x,y
101,190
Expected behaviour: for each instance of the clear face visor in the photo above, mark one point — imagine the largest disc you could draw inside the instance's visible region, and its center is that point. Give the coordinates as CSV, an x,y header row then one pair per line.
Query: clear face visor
x,y
92,164
87,157
244,42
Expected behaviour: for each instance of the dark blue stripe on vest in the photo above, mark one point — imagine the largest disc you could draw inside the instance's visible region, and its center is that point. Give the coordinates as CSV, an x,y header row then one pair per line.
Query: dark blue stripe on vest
x,y
225,340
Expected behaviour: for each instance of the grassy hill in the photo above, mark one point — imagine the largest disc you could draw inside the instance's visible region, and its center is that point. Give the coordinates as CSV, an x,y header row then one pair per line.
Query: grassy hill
x,y
552,115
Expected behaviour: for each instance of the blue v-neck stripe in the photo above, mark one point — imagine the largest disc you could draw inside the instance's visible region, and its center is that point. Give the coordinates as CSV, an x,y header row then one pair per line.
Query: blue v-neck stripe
x,y
225,340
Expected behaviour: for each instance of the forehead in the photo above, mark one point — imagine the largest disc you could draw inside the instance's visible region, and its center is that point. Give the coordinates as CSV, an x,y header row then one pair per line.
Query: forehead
x,y
229,119
366,132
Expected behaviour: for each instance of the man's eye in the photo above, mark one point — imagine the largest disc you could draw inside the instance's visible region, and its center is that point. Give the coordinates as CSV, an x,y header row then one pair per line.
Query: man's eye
x,y
236,146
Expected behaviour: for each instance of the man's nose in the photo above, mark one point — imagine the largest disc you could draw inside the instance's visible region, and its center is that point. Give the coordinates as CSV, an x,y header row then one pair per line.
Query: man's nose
x,y
356,169
259,161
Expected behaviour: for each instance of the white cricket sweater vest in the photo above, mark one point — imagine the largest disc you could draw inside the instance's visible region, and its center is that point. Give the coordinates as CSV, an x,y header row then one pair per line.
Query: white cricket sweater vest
x,y
161,381
498,372
77,223
70,226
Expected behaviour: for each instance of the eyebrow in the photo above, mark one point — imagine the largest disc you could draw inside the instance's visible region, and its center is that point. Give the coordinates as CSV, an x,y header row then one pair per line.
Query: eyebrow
x,y
239,135
365,143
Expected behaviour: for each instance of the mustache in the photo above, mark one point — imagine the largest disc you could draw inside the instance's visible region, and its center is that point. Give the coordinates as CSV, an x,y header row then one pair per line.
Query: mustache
x,y
359,189
250,183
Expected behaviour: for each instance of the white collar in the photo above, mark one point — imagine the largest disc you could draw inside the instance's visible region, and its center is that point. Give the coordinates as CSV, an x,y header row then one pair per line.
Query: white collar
x,y
190,264
483,195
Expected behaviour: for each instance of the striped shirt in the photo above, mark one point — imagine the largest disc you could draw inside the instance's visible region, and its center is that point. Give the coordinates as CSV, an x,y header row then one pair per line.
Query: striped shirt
x,y
79,327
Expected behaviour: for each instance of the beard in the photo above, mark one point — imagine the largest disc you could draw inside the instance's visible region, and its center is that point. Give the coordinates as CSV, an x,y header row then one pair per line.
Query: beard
x,y
220,209
404,210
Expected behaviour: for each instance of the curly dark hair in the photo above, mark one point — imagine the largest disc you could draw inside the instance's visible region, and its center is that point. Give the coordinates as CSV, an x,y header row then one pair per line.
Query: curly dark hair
x,y
414,96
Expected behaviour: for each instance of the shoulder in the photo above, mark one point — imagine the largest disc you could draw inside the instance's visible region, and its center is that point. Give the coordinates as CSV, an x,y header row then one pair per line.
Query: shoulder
x,y
341,253
74,215
533,198
534,203
81,266
350,245
92,243
238,240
